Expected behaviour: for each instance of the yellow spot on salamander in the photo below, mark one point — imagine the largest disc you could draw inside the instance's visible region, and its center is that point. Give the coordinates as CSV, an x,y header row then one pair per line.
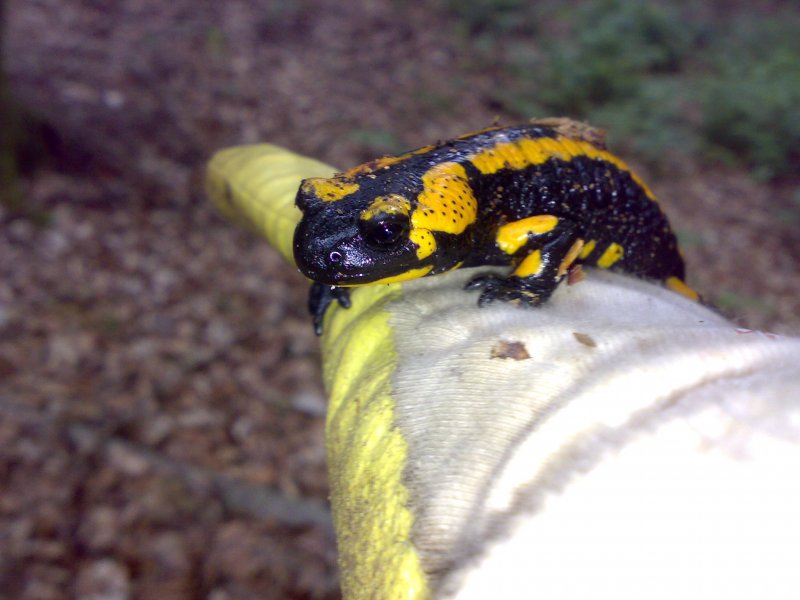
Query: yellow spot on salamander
x,y
426,243
329,189
391,204
530,266
570,257
526,152
513,236
588,248
611,255
410,274
446,202
677,285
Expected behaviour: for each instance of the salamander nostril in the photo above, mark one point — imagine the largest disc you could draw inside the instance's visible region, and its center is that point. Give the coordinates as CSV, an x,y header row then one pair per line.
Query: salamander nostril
x,y
335,257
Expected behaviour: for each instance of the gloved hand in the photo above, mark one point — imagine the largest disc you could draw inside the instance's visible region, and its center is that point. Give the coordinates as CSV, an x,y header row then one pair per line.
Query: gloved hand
x,y
619,441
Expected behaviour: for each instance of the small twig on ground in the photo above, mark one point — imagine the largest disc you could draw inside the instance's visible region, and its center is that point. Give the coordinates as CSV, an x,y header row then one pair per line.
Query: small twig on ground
x,y
238,497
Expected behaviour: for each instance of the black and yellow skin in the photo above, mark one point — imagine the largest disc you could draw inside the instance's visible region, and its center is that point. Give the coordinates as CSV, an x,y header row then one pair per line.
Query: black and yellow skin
x,y
540,197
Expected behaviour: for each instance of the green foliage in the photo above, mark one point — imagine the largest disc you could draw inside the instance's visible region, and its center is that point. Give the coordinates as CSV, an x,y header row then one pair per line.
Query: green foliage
x,y
618,66
789,213
378,140
661,77
487,15
751,103
737,303
216,42
650,124
612,48
688,238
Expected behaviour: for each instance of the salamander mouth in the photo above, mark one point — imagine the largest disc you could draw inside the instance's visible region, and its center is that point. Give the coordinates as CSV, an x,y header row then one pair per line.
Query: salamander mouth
x,y
361,269
339,278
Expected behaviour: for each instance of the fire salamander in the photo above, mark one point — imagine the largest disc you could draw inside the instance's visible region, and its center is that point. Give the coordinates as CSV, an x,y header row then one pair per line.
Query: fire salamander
x,y
540,197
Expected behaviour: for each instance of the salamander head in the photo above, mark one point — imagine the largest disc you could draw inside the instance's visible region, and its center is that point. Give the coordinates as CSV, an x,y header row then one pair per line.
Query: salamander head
x,y
349,236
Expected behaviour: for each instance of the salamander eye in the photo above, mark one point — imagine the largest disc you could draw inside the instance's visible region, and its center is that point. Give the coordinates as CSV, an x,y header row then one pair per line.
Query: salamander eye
x,y
385,230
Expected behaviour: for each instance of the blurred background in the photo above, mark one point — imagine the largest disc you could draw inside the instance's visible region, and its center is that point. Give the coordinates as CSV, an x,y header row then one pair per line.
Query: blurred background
x,y
161,411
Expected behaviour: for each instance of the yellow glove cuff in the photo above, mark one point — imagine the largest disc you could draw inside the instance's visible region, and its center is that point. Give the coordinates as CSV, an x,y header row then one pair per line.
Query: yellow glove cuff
x,y
256,185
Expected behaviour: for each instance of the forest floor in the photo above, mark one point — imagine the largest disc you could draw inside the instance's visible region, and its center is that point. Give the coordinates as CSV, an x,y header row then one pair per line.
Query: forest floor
x,y
161,410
